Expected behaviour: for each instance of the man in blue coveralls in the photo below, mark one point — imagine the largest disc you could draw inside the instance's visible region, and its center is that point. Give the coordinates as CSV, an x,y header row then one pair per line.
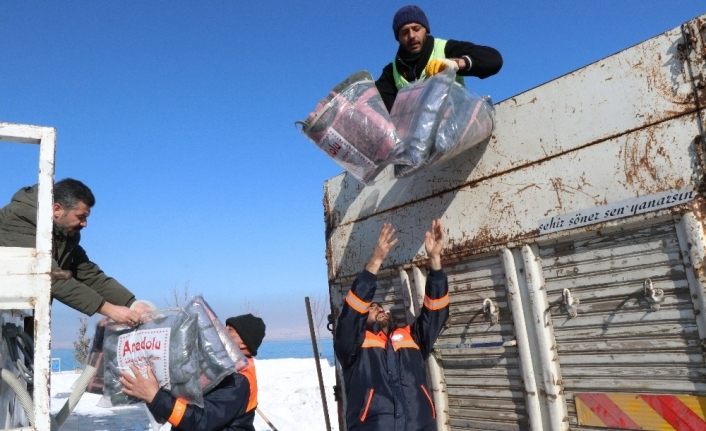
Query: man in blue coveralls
x,y
383,367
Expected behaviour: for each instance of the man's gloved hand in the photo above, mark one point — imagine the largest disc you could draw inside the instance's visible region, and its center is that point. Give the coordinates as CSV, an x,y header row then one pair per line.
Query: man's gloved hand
x,y
435,66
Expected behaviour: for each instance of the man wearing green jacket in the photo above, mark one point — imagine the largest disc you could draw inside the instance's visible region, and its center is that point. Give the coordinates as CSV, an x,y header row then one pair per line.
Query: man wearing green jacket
x,y
77,282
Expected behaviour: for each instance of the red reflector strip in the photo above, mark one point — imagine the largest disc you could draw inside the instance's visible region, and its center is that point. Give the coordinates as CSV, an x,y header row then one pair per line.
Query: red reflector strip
x,y
675,412
611,415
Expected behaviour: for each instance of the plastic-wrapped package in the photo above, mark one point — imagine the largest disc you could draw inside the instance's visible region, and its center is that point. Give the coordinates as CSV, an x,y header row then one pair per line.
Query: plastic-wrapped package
x,y
466,120
416,115
437,119
353,127
168,342
220,356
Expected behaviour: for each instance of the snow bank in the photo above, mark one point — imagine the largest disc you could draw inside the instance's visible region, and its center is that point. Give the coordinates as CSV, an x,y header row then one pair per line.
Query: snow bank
x,y
288,394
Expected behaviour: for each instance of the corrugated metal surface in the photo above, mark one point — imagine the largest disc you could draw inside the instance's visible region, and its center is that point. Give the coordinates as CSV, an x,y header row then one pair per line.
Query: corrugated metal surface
x,y
479,359
618,342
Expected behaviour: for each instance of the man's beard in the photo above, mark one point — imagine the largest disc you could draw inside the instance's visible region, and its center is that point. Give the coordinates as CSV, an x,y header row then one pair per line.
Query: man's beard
x,y
379,325
384,324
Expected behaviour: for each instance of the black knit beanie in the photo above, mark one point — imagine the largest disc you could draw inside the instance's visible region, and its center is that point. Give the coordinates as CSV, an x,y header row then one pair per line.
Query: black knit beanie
x,y
406,15
250,328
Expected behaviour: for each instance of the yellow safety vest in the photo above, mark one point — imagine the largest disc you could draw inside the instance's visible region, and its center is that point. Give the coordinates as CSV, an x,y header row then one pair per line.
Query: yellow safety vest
x,y
436,53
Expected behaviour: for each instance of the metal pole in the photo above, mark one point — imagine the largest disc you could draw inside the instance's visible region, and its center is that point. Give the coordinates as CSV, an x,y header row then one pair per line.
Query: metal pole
x,y
264,418
318,365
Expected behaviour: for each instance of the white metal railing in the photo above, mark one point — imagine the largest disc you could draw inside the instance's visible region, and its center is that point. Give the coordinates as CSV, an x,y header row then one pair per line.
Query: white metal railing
x,y
25,273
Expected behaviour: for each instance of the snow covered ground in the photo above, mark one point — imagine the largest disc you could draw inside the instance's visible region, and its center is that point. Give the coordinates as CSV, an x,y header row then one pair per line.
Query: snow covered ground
x,y
288,394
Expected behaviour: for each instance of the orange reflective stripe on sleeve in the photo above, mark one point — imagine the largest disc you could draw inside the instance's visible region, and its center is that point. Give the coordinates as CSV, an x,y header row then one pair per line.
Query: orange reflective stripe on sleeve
x,y
356,303
177,412
436,304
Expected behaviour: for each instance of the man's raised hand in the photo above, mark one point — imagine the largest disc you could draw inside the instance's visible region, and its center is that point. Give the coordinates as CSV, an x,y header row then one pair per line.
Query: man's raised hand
x,y
433,243
386,241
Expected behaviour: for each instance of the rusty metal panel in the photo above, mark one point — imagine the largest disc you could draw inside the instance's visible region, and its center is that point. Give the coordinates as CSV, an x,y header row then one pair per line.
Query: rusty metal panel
x,y
634,89
693,49
509,207
635,328
480,360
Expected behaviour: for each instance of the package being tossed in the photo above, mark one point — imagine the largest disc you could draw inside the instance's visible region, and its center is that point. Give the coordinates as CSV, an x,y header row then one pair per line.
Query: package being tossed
x,y
353,127
437,119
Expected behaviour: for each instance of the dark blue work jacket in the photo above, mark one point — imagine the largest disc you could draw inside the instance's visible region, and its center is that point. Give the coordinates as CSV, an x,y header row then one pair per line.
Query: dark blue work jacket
x,y
224,408
384,374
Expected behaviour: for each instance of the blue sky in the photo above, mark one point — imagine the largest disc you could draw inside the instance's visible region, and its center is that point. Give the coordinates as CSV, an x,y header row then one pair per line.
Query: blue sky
x,y
180,116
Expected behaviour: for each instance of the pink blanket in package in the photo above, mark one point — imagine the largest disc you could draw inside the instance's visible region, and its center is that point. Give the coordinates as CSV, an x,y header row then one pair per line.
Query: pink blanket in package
x,y
353,127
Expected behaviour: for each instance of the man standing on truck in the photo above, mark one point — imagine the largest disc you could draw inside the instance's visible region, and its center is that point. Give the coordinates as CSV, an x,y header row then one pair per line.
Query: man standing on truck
x,y
229,406
421,55
77,282
383,367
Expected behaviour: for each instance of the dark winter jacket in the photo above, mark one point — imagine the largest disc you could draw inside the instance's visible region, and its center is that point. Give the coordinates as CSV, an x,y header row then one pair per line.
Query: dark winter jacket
x,y
384,375
89,287
486,61
224,408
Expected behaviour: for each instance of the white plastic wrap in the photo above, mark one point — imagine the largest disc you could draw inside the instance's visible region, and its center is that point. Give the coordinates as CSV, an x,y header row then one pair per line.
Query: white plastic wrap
x,y
353,127
416,117
437,119
466,120
431,120
219,355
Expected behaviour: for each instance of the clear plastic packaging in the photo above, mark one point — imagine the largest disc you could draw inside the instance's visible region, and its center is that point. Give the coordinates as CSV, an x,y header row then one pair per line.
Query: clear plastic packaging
x,y
219,355
466,120
416,117
168,342
437,119
353,127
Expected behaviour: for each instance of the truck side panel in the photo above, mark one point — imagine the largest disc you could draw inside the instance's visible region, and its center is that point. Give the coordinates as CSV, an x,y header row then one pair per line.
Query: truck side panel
x,y
577,298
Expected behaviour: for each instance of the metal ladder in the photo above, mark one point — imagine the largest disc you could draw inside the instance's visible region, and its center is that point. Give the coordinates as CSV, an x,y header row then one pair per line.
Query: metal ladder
x,y
25,273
